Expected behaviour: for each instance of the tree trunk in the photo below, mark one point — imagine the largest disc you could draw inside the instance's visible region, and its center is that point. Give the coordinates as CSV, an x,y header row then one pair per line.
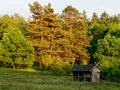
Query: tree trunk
x,y
13,65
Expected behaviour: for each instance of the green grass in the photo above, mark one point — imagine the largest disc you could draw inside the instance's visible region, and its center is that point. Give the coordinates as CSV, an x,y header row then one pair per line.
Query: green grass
x,y
22,80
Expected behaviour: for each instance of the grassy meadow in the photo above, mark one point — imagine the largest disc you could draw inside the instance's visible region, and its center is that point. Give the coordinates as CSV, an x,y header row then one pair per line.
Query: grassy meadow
x,y
42,80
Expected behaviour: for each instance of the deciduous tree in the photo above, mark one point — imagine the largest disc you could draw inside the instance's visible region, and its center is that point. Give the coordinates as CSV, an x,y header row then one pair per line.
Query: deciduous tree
x,y
16,51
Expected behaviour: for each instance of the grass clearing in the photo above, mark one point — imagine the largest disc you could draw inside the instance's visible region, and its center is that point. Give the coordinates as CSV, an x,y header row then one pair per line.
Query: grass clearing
x,y
22,80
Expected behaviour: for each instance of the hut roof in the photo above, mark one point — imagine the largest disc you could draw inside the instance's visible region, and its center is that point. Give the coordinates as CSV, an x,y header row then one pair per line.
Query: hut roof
x,y
83,68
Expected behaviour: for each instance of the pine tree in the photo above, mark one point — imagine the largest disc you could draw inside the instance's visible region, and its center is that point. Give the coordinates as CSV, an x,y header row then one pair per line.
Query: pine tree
x,y
95,18
77,28
46,32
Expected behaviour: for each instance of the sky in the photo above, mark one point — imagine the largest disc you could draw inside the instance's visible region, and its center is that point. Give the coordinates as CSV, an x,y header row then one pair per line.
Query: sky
x,y
21,6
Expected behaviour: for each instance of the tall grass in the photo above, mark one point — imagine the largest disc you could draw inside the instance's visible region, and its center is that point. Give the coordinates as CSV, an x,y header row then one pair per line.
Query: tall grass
x,y
21,80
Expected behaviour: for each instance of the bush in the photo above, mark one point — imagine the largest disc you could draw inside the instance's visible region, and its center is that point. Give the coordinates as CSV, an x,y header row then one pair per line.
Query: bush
x,y
67,68
112,73
58,67
46,61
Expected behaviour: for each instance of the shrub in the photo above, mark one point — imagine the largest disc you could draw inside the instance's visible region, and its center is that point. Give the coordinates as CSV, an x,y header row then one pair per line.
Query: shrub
x,y
112,73
58,67
46,61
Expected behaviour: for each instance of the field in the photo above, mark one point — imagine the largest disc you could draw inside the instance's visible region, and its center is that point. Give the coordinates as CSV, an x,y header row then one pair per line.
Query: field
x,y
22,80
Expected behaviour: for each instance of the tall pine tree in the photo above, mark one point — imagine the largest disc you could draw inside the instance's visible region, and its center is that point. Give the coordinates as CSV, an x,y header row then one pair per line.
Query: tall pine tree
x,y
77,28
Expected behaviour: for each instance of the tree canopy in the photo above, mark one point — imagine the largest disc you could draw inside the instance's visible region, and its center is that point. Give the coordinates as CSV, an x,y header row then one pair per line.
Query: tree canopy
x,y
16,51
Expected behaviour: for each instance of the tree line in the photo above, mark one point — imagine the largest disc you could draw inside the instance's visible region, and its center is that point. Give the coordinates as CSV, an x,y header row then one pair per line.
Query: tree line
x,y
56,41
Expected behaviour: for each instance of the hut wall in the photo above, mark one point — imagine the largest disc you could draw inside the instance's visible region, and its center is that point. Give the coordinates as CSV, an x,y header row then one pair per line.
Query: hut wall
x,y
96,75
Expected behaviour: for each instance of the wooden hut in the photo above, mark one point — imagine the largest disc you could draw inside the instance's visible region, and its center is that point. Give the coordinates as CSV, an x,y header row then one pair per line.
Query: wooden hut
x,y
90,72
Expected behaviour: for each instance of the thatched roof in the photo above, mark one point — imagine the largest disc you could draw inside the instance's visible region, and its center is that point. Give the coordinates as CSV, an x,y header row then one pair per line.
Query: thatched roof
x,y
83,68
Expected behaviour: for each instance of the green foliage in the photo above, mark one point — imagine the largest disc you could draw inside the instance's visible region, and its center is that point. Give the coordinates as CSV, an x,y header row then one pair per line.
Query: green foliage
x,y
16,51
98,31
108,53
104,19
114,30
114,74
46,62
94,19
111,73
59,67
99,27
108,50
105,45
8,22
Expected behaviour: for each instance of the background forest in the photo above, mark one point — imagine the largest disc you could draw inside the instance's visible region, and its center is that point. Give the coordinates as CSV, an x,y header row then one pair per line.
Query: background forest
x,y
56,42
